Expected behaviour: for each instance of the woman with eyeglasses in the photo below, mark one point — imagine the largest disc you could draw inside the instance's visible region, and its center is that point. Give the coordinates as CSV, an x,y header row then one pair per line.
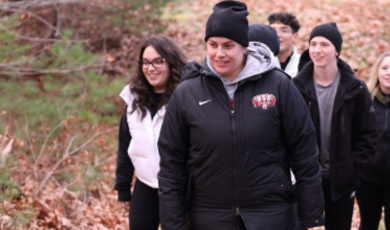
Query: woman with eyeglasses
x,y
374,191
233,129
158,73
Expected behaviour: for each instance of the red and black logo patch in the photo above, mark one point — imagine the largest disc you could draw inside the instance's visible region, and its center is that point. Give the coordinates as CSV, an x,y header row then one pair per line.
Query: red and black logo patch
x,y
264,100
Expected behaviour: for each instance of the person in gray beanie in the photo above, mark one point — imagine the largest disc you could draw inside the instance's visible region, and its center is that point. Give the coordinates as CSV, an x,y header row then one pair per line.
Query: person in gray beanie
x,y
232,130
344,118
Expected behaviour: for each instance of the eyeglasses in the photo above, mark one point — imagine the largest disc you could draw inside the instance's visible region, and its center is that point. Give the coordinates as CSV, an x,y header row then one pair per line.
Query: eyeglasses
x,y
156,63
283,30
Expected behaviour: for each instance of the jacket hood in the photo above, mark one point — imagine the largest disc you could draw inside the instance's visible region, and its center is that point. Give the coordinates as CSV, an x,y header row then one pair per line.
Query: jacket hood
x,y
260,59
191,70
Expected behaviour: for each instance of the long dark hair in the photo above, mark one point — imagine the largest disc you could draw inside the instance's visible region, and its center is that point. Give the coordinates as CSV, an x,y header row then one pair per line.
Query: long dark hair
x,y
139,84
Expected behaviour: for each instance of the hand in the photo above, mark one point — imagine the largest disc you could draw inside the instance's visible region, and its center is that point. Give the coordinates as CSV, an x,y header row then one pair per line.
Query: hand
x,y
126,205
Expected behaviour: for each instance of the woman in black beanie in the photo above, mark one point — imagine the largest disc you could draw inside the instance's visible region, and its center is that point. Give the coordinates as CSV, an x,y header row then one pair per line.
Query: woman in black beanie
x,y
233,129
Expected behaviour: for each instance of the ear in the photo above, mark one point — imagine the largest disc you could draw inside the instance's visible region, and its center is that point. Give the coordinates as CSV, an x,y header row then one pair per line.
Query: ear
x,y
244,48
295,37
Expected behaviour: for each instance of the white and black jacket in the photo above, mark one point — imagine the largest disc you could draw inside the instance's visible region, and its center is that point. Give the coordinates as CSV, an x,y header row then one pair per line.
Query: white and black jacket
x,y
292,66
137,148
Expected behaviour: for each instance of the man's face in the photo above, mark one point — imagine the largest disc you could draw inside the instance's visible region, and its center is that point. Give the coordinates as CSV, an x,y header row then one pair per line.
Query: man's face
x,y
286,36
322,51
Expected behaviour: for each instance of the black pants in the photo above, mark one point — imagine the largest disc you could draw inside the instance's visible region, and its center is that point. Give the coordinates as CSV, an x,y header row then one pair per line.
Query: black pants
x,y
371,198
338,215
144,208
298,225
239,223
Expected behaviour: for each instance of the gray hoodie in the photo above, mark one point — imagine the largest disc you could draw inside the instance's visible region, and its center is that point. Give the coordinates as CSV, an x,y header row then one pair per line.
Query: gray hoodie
x,y
259,60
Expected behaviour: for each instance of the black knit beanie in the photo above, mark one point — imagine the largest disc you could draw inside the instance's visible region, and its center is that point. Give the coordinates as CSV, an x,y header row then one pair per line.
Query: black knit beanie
x,y
330,32
229,20
265,34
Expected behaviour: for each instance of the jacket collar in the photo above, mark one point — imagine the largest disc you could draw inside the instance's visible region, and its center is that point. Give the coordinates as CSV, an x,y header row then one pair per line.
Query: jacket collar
x,y
382,98
347,77
347,87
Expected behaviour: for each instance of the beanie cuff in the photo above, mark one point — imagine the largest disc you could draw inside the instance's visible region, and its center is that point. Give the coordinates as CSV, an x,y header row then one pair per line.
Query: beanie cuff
x,y
229,28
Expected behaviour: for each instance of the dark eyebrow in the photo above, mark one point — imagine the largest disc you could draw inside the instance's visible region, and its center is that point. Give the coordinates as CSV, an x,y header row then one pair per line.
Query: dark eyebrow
x,y
152,59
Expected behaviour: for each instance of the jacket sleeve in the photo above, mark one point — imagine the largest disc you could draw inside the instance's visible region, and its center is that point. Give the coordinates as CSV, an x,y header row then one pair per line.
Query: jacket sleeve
x,y
364,132
124,166
173,146
303,155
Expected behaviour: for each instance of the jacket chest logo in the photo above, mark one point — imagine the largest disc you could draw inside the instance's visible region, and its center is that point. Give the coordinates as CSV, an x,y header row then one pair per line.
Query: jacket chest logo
x,y
263,100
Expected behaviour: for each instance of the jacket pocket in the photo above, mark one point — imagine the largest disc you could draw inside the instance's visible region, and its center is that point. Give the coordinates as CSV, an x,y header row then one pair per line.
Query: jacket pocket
x,y
289,189
290,192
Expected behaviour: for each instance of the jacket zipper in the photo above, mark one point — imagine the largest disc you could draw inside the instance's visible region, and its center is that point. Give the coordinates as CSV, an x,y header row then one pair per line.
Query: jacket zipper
x,y
237,213
235,159
386,113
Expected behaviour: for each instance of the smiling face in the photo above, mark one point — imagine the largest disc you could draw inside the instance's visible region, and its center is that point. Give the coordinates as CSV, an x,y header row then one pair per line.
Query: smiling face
x,y
384,75
286,36
157,77
322,52
226,56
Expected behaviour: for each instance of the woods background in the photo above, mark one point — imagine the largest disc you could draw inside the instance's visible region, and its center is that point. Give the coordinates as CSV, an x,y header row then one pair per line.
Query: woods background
x,y
63,64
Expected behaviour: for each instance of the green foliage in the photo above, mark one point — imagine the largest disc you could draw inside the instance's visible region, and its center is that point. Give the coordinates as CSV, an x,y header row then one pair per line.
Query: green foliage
x,y
9,188
21,218
66,175
151,9
10,50
48,100
91,175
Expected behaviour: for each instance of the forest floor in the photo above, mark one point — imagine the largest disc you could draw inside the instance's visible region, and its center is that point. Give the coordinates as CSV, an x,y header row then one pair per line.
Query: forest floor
x,y
93,204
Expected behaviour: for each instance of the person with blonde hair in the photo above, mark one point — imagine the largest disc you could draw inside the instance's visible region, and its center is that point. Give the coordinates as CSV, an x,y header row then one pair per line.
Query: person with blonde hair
x,y
374,191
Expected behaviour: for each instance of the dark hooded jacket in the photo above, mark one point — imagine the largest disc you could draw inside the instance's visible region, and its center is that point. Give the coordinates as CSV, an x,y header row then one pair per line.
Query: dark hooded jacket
x,y
353,129
218,162
378,170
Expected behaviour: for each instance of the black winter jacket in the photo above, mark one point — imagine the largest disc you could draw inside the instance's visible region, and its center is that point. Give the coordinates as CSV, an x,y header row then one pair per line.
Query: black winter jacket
x,y
218,162
353,130
378,170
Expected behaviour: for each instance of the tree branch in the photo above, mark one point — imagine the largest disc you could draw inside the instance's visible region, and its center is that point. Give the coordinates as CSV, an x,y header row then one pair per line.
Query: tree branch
x,y
69,153
37,3
20,71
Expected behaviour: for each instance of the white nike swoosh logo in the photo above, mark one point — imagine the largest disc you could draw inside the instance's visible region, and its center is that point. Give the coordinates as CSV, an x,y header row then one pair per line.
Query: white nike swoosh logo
x,y
204,102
